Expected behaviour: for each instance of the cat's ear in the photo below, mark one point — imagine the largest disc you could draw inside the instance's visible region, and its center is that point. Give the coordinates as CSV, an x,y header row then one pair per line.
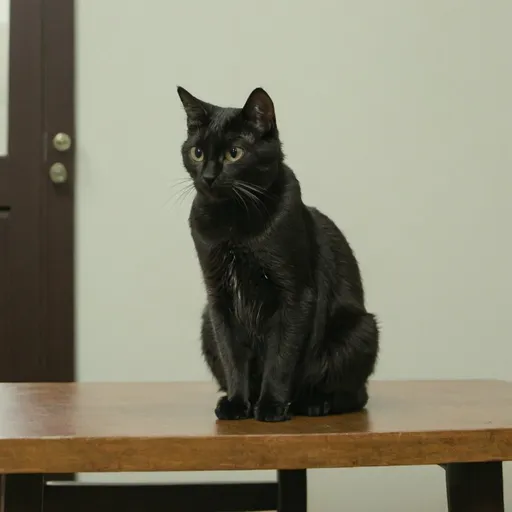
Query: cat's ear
x,y
198,112
259,110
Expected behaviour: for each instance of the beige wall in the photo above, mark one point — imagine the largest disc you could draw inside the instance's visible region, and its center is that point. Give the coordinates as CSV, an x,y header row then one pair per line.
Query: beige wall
x,y
414,164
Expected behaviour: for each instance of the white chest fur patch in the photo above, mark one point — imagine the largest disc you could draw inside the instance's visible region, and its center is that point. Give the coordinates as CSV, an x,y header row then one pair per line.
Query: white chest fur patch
x,y
246,307
234,284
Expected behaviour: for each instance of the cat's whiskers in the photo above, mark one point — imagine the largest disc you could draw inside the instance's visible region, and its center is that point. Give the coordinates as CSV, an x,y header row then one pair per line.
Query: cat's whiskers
x,y
239,195
242,192
186,187
252,186
257,189
179,181
250,193
185,193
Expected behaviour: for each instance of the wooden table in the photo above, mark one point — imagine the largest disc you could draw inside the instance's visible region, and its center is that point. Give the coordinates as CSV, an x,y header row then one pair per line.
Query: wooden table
x,y
464,426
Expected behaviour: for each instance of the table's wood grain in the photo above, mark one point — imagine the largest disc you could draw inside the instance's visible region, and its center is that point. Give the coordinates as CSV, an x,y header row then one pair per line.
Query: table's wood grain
x,y
158,427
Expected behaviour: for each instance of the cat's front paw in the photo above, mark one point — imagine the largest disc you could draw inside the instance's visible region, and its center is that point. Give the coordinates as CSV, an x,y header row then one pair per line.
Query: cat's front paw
x,y
267,410
314,404
234,409
313,408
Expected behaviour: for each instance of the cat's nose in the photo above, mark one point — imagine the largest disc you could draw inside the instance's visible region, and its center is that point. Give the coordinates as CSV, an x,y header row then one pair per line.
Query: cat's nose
x,y
209,179
209,175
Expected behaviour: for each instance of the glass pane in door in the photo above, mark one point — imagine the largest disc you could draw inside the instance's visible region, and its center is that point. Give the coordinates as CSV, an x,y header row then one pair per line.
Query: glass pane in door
x,y
4,75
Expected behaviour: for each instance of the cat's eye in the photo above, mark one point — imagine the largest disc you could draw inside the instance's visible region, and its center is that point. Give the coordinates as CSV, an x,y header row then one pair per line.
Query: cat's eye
x,y
233,154
197,154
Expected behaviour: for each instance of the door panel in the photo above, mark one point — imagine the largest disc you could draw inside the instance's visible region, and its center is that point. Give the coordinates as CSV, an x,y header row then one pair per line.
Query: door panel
x,y
32,241
21,356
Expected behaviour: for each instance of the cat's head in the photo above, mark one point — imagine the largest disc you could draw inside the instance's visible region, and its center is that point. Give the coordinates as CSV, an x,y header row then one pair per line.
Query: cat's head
x,y
231,150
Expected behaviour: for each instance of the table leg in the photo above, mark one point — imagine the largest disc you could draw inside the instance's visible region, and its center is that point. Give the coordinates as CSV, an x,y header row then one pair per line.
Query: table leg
x,y
292,490
22,493
475,487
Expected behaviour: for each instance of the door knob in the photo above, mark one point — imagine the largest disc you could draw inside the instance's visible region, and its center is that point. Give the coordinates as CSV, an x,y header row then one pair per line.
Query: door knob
x,y
62,142
58,173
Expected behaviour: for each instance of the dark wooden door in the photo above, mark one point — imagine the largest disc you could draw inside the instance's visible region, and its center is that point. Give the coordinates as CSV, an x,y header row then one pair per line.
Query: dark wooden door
x,y
36,214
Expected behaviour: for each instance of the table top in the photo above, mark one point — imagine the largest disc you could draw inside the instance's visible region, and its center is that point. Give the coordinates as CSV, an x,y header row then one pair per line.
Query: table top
x,y
93,427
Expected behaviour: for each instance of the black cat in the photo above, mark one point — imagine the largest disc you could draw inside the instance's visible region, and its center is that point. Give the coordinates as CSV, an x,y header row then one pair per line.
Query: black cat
x,y
285,330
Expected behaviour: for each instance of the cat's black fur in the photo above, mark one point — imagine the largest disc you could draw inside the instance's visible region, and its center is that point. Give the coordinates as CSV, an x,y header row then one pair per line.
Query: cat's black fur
x,y
285,329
